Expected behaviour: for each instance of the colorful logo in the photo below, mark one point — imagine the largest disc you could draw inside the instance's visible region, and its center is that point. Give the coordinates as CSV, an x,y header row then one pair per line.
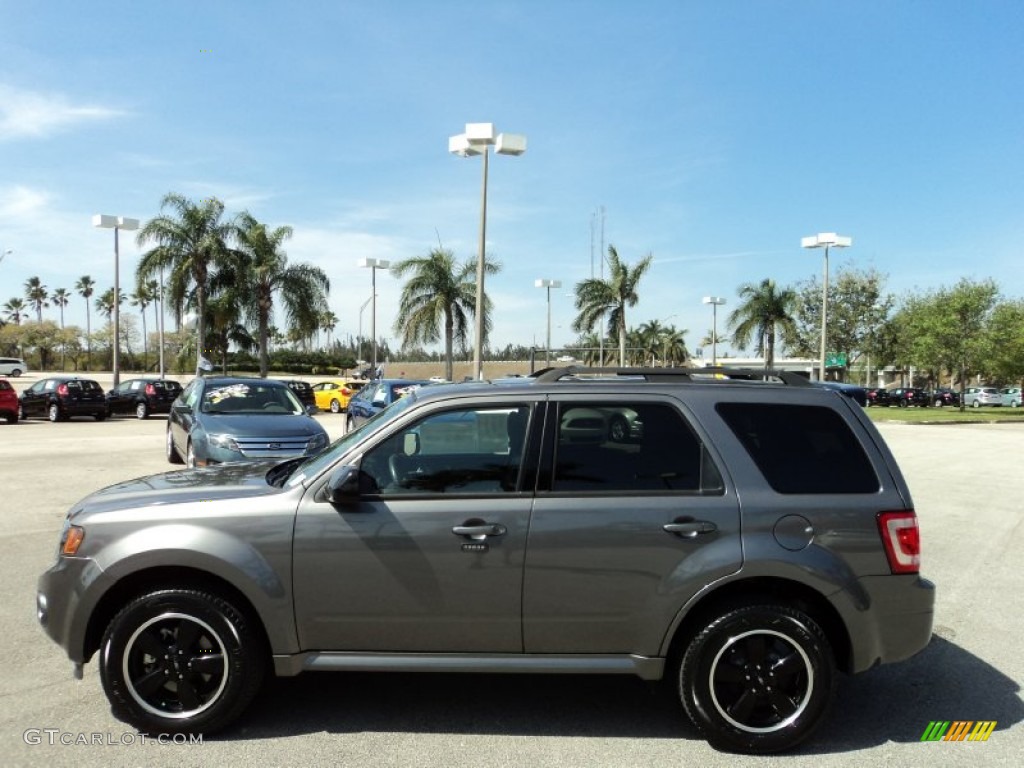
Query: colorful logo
x,y
958,730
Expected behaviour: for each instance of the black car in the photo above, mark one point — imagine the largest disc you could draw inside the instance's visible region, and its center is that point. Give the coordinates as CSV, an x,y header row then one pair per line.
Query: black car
x,y
61,397
304,391
142,397
879,396
945,396
904,396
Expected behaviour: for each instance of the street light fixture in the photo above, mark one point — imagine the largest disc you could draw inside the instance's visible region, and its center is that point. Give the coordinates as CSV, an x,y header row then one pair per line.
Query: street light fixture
x,y
715,302
825,240
5,253
374,265
477,140
116,223
548,284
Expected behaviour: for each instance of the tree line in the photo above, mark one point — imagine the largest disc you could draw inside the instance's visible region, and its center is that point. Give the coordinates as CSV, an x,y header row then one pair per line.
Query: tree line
x,y
232,275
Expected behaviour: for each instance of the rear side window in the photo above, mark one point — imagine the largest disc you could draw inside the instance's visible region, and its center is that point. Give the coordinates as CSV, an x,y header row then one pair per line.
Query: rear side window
x,y
801,449
622,447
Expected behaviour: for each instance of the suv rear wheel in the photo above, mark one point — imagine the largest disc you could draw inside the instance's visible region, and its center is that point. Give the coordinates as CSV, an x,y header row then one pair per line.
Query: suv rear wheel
x,y
758,679
180,661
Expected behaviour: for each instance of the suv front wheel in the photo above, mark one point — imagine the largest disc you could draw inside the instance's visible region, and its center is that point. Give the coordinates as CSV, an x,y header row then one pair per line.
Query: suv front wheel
x,y
758,679
180,661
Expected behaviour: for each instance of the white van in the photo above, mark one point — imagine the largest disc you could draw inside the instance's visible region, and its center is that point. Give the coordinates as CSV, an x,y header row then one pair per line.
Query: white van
x,y
12,366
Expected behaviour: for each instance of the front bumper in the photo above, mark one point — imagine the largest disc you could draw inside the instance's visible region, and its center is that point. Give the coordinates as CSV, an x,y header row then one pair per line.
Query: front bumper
x,y
59,603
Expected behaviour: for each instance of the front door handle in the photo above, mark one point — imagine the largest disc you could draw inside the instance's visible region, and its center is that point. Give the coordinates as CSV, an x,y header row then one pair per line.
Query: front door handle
x,y
478,530
688,528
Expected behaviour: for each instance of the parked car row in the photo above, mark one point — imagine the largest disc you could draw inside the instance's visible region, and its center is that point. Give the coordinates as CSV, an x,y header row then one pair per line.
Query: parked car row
x,y
974,397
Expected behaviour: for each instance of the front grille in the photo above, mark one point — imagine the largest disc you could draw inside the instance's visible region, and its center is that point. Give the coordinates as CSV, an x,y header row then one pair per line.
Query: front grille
x,y
273,447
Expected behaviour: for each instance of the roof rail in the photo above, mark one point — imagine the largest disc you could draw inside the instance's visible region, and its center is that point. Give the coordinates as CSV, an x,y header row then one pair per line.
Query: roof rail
x,y
674,374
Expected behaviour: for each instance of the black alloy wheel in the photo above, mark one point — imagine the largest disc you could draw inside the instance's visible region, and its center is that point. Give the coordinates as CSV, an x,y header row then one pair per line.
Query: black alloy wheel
x,y
181,661
758,679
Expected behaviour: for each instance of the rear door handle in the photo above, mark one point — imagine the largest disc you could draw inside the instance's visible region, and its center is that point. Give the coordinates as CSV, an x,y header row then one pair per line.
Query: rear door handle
x,y
479,531
689,529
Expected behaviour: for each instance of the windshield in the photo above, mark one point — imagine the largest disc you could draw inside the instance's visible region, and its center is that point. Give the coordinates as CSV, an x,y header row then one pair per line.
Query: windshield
x,y
244,397
317,464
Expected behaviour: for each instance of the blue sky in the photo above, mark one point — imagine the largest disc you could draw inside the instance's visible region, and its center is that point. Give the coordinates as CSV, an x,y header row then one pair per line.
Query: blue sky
x,y
713,134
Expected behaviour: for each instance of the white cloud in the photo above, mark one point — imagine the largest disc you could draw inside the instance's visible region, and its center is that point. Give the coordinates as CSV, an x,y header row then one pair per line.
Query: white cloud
x,y
31,114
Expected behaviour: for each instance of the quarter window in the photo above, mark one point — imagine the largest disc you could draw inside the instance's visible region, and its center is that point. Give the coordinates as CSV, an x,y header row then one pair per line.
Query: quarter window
x,y
800,449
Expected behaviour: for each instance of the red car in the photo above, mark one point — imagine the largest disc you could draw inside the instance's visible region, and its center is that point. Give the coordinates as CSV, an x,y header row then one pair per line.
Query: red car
x,y
8,402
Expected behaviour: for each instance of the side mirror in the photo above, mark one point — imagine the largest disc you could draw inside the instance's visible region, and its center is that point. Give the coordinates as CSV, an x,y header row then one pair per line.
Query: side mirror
x,y
343,487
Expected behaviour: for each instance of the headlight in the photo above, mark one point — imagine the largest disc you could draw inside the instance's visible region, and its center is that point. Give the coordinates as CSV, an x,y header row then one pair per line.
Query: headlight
x,y
318,443
224,441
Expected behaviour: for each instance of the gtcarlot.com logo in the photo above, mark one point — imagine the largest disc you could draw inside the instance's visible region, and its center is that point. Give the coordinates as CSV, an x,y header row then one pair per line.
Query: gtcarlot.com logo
x,y
52,736
958,730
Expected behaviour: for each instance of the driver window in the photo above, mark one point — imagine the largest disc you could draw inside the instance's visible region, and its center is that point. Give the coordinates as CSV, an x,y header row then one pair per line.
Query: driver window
x,y
464,451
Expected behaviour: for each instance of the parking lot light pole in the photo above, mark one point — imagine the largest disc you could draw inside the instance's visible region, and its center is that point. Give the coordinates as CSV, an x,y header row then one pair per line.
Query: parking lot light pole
x,y
825,240
361,310
548,284
373,265
715,302
116,223
477,140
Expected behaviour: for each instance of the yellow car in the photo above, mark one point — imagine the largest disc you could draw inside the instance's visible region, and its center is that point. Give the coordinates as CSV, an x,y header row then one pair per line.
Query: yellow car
x,y
336,393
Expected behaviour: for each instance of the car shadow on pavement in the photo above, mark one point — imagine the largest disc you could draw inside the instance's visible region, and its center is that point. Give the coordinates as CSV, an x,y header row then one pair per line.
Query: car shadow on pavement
x,y
890,704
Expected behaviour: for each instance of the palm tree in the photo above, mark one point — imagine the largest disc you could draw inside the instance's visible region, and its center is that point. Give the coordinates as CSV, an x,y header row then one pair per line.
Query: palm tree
x,y
263,270
596,297
191,242
60,298
328,322
673,346
439,294
85,285
649,337
37,296
142,297
764,312
15,310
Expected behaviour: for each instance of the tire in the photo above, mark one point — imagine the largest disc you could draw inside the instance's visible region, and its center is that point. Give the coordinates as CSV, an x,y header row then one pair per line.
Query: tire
x,y
21,413
335,406
208,644
12,418
100,416
17,371
53,412
728,671
938,403
141,410
172,453
976,404
902,403
349,426
190,455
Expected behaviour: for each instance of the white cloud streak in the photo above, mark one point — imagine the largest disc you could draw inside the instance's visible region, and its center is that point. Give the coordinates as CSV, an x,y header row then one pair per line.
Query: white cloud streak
x,y
31,115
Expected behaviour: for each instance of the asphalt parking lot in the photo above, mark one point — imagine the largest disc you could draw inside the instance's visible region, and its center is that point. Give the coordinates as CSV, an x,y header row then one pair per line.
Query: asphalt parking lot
x,y
967,489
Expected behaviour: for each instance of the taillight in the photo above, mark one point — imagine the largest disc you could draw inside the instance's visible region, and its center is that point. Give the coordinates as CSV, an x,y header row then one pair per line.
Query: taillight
x,y
902,540
346,391
62,390
150,390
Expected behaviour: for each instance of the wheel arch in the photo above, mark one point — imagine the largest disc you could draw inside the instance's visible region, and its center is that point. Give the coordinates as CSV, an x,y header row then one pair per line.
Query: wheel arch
x,y
735,594
166,577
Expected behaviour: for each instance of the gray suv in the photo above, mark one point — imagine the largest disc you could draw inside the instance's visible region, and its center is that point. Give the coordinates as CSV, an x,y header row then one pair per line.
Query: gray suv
x,y
744,541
